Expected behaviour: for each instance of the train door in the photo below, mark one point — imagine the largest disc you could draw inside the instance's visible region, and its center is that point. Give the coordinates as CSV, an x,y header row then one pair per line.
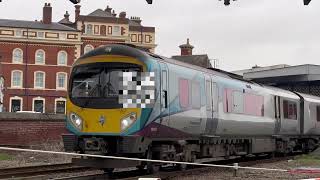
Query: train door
x,y
277,114
211,106
164,100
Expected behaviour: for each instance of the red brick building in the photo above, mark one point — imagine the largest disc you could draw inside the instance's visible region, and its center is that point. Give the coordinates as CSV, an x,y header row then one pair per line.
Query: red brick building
x,y
36,56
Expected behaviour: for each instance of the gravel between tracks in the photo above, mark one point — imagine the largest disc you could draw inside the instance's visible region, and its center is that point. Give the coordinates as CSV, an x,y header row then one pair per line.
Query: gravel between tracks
x,y
224,174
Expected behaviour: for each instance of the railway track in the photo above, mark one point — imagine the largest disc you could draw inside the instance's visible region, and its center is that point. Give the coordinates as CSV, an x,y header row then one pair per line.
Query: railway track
x,y
171,173
39,170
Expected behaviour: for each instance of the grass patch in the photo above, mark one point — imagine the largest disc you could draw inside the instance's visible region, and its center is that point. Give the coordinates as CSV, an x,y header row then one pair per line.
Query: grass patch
x,y
4,157
307,160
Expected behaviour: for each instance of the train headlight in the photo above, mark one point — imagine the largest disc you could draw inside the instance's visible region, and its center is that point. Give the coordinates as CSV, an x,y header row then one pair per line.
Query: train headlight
x,y
128,121
76,120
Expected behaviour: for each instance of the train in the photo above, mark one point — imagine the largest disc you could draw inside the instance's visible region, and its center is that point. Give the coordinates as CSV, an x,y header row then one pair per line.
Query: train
x,y
123,101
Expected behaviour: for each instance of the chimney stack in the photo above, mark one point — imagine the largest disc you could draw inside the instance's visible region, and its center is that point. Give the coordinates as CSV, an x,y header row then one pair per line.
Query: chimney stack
x,y
108,9
186,49
77,12
114,14
67,15
123,15
47,14
136,19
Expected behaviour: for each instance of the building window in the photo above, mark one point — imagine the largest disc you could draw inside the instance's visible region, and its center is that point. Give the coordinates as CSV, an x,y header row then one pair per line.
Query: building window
x,y
103,30
96,29
63,36
133,38
116,31
109,29
60,106
62,58
38,105
16,79
17,55
88,48
148,38
89,29
61,80
39,79
18,32
289,110
40,34
15,104
40,57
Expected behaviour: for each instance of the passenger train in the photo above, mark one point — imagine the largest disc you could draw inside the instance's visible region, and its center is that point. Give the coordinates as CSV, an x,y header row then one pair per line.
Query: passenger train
x,y
196,114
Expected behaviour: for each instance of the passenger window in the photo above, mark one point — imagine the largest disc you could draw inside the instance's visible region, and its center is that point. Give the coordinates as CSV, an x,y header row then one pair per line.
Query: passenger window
x,y
184,93
195,95
318,113
289,110
254,105
237,102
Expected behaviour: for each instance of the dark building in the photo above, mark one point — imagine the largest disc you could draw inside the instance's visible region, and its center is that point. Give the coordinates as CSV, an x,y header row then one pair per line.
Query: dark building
x,y
303,78
187,56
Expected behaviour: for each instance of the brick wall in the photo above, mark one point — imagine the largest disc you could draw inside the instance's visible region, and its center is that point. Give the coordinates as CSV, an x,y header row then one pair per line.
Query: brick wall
x,y
23,129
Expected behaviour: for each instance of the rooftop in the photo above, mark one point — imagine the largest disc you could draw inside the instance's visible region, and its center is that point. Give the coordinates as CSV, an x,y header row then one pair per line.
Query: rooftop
x,y
34,25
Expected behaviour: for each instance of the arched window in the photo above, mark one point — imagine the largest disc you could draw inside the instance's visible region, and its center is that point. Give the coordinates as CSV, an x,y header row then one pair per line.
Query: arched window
x,y
39,79
40,57
62,58
89,29
61,82
17,55
16,79
88,48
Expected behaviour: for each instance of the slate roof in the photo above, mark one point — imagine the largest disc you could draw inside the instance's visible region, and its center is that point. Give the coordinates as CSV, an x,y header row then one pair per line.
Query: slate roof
x,y
65,21
34,25
198,60
100,13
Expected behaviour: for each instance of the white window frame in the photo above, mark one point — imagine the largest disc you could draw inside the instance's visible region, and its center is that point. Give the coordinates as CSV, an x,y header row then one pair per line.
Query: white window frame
x,y
91,33
20,77
116,33
58,59
55,104
34,80
15,98
41,33
39,98
88,45
13,58
57,81
44,56
18,34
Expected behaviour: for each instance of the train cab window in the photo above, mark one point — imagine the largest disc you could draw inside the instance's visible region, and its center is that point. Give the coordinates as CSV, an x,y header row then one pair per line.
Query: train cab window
x,y
195,95
184,93
318,113
289,110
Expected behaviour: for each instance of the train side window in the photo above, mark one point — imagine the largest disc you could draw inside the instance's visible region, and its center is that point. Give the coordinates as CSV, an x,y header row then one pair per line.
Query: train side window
x,y
318,113
195,90
238,102
254,105
289,110
209,97
184,93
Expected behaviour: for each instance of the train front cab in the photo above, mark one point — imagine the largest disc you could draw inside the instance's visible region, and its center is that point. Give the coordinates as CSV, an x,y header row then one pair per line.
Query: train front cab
x,y
98,122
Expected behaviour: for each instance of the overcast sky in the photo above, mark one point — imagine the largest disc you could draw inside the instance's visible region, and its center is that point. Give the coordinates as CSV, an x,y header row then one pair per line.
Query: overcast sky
x,y
246,33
